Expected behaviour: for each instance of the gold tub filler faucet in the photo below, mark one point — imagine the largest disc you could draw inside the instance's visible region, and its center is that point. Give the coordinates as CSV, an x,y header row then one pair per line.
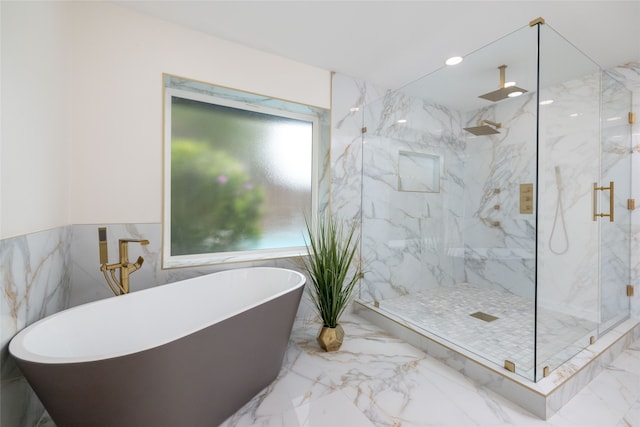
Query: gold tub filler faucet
x,y
118,286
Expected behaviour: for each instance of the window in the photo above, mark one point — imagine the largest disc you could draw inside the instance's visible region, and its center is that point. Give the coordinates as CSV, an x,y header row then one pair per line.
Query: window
x,y
241,174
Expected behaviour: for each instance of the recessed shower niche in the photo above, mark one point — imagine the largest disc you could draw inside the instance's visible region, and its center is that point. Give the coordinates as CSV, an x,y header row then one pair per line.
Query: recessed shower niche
x,y
529,109
418,172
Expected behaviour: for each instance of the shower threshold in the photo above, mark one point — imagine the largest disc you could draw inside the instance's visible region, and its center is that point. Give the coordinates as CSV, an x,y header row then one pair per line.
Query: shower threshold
x,y
543,398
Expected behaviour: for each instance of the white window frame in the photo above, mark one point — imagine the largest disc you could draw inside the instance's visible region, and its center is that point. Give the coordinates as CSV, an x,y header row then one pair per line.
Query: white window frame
x,y
175,261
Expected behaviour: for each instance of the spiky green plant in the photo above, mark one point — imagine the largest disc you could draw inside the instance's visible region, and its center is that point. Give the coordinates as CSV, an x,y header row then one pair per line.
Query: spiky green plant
x,y
332,249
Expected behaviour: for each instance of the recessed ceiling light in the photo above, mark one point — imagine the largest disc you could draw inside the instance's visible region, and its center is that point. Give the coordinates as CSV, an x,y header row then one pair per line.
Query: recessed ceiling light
x,y
454,60
354,109
546,102
402,121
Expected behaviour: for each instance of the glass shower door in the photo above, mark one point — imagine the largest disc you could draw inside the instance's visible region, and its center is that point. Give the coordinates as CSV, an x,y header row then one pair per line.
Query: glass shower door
x,y
615,230
567,285
447,244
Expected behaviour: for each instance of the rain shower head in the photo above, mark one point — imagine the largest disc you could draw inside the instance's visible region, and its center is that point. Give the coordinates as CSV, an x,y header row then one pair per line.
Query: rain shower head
x,y
486,127
503,92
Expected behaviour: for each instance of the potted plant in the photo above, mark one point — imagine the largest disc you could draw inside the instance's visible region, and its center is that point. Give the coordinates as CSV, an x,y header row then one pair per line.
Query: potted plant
x,y
331,249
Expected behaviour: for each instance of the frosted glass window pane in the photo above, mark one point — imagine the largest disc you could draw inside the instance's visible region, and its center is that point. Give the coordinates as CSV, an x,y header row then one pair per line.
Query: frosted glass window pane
x,y
240,179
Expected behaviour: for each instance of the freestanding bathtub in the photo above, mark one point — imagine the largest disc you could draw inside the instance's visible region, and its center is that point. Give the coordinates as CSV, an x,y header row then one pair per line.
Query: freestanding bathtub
x,y
189,353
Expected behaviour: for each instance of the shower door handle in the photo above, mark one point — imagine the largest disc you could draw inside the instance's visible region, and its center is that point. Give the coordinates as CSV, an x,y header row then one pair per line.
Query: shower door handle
x,y
611,200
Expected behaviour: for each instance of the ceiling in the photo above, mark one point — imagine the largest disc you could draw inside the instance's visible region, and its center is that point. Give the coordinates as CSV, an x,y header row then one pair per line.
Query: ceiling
x,y
391,43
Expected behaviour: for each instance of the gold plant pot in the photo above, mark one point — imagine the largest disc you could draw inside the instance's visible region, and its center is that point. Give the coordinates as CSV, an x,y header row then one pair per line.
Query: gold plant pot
x,y
330,339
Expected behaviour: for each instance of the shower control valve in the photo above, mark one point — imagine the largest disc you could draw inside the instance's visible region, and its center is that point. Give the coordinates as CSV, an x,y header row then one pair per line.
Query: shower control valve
x,y
526,198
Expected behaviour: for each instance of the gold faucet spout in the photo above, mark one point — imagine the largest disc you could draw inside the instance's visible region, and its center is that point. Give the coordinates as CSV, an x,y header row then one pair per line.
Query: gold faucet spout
x,y
126,267
118,286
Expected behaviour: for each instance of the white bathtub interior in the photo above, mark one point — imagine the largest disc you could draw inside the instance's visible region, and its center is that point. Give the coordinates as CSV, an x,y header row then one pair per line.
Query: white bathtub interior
x,y
141,320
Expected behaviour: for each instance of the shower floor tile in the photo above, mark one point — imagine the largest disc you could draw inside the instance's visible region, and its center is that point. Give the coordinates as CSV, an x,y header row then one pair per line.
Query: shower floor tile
x,y
464,315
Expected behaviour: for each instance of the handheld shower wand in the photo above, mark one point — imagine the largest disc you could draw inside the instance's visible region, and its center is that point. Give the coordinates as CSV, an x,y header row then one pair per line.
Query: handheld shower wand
x,y
559,213
559,179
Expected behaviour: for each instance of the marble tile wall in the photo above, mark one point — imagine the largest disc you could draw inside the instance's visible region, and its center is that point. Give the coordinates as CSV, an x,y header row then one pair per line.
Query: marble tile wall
x,y
404,251
405,231
568,167
616,161
407,235
35,283
414,240
629,76
348,100
88,283
498,241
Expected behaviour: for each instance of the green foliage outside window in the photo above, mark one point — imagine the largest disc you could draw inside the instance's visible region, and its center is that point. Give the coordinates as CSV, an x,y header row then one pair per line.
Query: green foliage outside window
x,y
215,206
239,173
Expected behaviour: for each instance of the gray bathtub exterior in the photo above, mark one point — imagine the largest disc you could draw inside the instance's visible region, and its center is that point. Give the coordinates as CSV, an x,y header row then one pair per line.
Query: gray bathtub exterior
x,y
198,380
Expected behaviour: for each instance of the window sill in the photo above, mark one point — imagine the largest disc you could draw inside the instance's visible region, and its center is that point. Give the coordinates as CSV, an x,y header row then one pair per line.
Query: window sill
x,y
200,260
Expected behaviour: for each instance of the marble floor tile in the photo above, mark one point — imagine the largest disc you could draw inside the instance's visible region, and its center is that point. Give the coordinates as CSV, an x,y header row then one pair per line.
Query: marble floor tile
x,y
393,384
632,417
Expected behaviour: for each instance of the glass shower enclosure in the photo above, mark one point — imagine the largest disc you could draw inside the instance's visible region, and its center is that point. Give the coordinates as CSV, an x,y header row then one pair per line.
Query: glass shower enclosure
x,y
494,202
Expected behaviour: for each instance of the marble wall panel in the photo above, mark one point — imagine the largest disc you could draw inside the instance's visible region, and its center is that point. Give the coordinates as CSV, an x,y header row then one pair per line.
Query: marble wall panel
x,y
629,76
569,162
348,99
88,283
35,283
409,234
498,239
616,167
498,245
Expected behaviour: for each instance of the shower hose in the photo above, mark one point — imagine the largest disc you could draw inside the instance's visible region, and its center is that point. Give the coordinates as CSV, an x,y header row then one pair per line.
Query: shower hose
x,y
559,214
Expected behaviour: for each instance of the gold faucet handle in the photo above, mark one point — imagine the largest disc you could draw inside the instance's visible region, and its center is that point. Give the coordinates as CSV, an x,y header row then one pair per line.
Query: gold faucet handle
x,y
141,241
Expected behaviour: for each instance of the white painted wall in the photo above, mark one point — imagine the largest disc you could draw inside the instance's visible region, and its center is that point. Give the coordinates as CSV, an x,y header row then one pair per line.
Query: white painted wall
x,y
36,116
82,107
119,58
